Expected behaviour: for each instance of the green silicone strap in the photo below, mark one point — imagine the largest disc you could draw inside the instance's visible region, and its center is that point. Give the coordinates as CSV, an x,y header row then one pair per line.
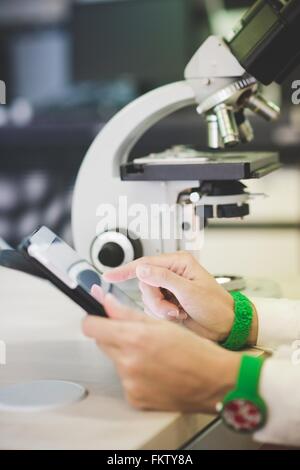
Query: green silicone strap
x,y
247,387
241,329
249,374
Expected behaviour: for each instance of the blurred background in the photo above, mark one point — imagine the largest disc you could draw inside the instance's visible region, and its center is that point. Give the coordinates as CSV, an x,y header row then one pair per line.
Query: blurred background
x,y
70,65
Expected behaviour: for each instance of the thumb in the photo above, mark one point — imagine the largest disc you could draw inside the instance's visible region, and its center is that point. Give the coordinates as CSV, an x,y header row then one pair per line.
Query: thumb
x,y
156,276
117,311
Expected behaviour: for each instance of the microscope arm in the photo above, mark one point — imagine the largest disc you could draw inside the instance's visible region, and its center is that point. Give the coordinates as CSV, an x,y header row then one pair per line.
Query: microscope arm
x,y
99,179
119,136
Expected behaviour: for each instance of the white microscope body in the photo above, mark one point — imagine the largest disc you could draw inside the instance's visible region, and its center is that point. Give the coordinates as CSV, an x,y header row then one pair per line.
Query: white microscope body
x,y
218,86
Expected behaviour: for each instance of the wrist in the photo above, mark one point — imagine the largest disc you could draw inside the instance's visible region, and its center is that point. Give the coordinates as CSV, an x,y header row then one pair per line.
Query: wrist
x,y
254,328
228,321
225,377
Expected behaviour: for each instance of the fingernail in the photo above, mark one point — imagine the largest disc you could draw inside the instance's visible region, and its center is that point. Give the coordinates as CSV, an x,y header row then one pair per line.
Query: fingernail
x,y
173,314
143,271
94,289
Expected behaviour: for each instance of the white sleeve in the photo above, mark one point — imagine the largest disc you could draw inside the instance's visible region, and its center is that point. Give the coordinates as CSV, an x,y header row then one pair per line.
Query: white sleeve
x,y
279,387
278,322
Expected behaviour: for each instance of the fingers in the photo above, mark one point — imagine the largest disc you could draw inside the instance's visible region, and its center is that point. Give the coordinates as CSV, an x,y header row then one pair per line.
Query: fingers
x,y
117,333
127,272
98,293
155,303
104,331
120,312
155,276
113,308
116,337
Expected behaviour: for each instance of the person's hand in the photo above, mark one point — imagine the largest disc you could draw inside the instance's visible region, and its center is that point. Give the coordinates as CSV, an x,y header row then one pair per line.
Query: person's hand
x,y
161,365
176,287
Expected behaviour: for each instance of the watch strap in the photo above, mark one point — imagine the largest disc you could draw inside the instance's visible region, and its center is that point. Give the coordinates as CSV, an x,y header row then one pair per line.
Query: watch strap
x,y
249,375
243,316
246,397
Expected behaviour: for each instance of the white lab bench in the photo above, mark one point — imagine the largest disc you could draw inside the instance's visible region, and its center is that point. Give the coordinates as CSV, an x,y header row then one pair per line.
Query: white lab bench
x,y
41,328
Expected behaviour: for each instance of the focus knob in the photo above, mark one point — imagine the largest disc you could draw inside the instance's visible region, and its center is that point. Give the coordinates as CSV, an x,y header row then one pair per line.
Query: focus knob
x,y
115,248
111,255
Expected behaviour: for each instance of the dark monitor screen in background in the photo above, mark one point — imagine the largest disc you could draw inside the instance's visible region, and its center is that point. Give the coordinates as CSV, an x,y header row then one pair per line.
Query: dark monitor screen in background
x,y
150,41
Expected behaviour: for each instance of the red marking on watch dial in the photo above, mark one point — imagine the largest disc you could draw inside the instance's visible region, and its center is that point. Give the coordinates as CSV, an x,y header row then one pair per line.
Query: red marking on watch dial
x,y
242,415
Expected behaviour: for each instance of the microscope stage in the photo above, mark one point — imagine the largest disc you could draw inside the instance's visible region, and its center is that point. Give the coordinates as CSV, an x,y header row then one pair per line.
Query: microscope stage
x,y
191,165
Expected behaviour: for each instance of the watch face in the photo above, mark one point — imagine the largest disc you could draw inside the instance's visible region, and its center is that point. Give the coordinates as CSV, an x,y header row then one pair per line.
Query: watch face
x,y
242,415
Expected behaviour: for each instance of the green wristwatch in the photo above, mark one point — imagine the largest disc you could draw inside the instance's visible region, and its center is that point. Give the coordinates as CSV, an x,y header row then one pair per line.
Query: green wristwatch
x,y
243,316
243,410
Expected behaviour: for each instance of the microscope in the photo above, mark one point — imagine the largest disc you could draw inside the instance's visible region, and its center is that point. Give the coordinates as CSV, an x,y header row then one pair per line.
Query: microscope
x,y
223,83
